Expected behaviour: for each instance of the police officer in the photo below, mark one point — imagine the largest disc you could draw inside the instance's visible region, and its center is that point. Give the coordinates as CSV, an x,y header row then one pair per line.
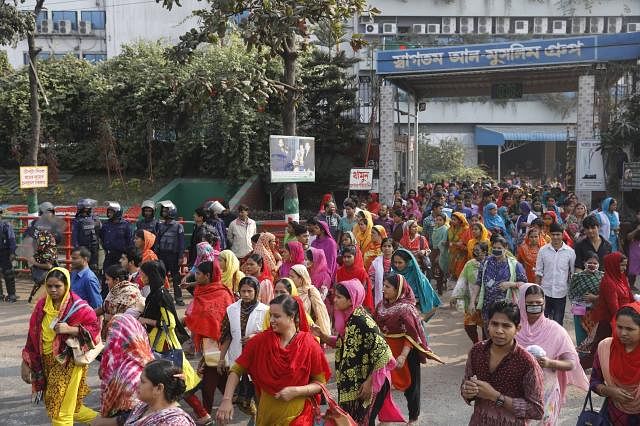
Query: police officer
x,y
148,222
46,221
213,209
170,245
116,237
85,228
7,255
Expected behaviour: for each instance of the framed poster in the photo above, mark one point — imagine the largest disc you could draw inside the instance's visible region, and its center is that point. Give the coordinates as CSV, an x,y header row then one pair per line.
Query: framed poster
x,y
292,159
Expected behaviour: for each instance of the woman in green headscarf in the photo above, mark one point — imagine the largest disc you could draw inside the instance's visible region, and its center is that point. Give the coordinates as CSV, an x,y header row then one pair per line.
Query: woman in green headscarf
x,y
404,263
440,251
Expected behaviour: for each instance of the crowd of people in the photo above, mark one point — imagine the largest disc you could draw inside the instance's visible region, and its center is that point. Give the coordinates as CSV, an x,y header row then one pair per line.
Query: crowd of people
x,y
365,281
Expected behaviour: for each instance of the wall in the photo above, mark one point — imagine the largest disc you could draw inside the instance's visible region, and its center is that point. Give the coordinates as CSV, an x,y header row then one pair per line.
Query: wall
x,y
502,8
252,194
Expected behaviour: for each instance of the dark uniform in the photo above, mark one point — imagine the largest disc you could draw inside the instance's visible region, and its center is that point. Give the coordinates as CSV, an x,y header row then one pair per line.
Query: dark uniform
x,y
7,253
84,230
116,238
148,223
169,245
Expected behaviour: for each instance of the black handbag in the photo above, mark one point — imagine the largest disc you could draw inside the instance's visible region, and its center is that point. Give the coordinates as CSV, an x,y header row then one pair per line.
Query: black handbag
x,y
174,355
590,417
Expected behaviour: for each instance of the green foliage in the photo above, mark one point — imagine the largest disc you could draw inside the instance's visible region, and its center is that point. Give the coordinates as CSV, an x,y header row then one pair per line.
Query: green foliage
x,y
14,25
624,128
445,161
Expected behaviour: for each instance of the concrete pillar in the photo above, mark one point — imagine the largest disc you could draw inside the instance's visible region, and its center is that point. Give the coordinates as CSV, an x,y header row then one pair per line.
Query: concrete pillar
x,y
586,104
387,136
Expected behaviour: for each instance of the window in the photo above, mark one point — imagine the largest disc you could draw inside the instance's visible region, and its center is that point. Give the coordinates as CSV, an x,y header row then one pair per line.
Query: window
x,y
65,16
96,17
94,57
62,55
41,56
42,16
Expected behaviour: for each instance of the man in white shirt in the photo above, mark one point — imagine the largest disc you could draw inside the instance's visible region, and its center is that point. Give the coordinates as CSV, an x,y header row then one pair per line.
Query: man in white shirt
x,y
554,267
240,232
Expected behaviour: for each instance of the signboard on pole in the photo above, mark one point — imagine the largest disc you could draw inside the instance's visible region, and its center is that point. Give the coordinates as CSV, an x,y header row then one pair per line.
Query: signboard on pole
x,y
361,179
631,176
292,159
34,177
589,166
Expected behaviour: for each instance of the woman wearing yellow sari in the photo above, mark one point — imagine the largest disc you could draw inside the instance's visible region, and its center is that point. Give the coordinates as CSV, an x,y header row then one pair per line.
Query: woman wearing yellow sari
x,y
458,236
362,230
378,233
479,234
46,361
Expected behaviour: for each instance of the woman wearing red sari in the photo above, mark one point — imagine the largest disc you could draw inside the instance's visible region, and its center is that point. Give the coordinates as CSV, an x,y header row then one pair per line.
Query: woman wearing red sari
x,y
46,362
414,242
459,235
352,269
527,252
284,363
204,318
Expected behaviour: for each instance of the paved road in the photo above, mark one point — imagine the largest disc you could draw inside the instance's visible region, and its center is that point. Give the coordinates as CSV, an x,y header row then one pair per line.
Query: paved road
x,y
441,403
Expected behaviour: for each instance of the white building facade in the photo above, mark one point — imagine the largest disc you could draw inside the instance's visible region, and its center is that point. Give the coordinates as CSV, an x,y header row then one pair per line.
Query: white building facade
x,y
405,24
96,29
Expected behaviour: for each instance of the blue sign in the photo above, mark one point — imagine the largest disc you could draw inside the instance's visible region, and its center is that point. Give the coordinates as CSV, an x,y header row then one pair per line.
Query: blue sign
x,y
596,48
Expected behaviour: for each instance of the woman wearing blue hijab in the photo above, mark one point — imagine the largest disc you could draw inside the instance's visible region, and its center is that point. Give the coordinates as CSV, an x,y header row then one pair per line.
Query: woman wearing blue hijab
x,y
610,215
404,263
493,222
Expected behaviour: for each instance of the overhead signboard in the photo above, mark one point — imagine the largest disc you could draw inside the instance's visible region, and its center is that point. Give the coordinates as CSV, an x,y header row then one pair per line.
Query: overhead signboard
x,y
631,176
584,49
361,179
292,158
589,166
34,177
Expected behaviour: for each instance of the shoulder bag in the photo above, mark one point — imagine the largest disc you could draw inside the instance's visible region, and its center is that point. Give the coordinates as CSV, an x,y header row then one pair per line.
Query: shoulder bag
x,y
334,416
590,417
174,355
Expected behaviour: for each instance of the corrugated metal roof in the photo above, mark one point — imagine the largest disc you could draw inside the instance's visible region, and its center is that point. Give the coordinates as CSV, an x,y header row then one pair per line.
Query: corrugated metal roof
x,y
498,135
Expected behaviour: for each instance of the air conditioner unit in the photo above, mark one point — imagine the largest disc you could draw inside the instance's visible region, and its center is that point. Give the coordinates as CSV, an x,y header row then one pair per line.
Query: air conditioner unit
x,y
371,29
614,24
448,25
633,27
596,25
559,27
502,25
466,25
45,27
84,27
485,25
540,25
521,26
433,29
64,27
419,28
389,28
578,25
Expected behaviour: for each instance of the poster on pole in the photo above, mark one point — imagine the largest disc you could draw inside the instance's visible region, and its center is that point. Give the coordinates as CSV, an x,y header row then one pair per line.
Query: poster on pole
x,y
292,159
361,179
631,176
589,166
34,177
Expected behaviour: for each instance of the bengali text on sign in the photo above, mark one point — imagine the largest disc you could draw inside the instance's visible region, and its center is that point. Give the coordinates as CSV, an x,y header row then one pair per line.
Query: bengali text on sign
x,y
34,177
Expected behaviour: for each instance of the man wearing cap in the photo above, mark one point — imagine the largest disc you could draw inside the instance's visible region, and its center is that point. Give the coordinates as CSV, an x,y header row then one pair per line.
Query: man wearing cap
x,y
148,222
170,245
116,237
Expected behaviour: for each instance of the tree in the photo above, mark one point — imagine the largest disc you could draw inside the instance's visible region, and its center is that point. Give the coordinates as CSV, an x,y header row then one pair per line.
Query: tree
x,y
276,28
445,161
15,25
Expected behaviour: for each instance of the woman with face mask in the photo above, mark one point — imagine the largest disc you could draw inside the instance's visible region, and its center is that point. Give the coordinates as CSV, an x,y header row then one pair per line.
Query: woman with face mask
x,y
498,276
551,346
462,290
584,285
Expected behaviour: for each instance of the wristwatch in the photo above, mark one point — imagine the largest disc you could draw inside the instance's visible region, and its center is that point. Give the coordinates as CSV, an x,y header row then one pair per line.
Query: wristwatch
x,y
500,400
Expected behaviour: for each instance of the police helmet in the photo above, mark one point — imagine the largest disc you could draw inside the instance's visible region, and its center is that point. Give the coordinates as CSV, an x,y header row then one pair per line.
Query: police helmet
x,y
173,210
115,206
46,207
214,207
86,203
148,204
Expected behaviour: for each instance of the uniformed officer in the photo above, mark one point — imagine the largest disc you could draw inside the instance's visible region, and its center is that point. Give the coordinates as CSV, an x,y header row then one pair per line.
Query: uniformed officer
x,y
85,228
148,222
46,221
213,209
116,237
7,255
170,245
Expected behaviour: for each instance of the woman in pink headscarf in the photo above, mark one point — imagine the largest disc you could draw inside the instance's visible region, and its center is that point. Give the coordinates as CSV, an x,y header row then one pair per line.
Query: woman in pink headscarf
x,y
363,359
412,208
316,263
551,346
293,255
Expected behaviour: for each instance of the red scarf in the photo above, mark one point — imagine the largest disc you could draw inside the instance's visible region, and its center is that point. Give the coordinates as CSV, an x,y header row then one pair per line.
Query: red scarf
x,y
625,367
272,367
346,273
205,315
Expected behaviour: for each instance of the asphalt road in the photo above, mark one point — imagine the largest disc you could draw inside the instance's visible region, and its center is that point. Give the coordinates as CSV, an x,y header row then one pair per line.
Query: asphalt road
x,y
441,403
